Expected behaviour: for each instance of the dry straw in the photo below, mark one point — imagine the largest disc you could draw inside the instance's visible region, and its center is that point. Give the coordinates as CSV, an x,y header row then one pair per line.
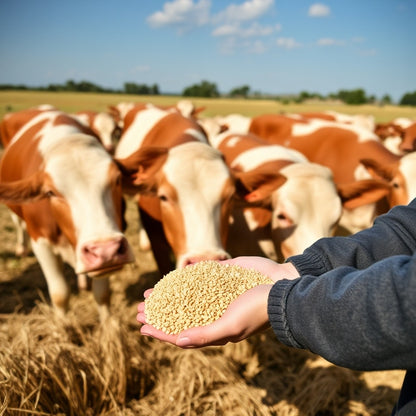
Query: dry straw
x,y
198,294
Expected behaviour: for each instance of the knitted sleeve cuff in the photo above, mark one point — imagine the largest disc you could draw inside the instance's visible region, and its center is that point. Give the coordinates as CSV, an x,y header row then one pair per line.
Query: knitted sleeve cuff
x,y
276,309
310,262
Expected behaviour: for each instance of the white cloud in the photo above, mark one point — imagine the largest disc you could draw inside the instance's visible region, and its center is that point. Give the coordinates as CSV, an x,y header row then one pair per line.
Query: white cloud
x,y
252,31
319,10
183,13
230,45
249,10
330,42
288,43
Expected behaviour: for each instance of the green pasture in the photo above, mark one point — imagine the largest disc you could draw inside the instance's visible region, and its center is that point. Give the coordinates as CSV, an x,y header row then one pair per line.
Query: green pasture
x,y
72,101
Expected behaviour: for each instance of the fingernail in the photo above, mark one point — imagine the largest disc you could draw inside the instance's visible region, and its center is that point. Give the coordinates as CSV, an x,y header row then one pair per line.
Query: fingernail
x,y
183,341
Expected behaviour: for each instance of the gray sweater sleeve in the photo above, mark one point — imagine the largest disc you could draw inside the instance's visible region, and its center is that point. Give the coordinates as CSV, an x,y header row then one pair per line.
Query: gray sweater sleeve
x,y
355,302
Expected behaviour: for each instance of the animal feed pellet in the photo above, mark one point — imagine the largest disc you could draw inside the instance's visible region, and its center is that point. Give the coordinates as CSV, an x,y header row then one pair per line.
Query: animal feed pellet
x,y
198,294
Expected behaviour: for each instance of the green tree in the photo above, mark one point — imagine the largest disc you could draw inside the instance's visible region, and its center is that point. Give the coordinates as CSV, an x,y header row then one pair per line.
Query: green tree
x,y
242,91
140,89
408,99
353,96
204,89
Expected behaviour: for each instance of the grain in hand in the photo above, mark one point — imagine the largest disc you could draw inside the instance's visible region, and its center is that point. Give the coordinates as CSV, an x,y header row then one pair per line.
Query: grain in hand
x,y
198,294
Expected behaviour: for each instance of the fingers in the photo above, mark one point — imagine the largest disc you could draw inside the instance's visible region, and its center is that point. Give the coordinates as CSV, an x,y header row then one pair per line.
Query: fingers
x,y
156,333
202,336
190,338
147,292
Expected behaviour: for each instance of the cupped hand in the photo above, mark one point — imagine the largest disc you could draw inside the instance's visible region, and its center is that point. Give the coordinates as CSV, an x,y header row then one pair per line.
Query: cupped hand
x,y
245,316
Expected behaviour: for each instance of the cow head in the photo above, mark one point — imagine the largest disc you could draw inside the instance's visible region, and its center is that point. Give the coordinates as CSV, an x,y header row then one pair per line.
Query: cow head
x,y
398,176
303,200
193,187
76,200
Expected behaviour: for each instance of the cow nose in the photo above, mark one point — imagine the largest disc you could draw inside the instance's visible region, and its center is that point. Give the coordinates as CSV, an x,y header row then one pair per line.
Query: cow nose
x,y
196,259
98,254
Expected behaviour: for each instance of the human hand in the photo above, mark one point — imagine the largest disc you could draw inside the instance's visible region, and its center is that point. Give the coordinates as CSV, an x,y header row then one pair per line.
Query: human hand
x,y
268,267
245,316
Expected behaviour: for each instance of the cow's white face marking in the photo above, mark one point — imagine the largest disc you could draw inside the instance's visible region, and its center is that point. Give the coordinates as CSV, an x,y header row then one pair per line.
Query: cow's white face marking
x,y
199,175
310,201
86,188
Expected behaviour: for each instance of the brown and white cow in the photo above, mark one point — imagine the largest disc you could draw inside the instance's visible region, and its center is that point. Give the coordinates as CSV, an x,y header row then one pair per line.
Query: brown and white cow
x,y
352,153
186,187
289,203
103,125
68,190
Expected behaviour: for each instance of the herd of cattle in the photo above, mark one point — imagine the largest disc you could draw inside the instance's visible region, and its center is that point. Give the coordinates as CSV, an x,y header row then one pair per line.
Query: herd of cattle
x,y
206,188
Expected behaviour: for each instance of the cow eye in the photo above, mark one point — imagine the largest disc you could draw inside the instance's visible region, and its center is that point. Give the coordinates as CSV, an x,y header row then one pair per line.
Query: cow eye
x,y
49,194
163,197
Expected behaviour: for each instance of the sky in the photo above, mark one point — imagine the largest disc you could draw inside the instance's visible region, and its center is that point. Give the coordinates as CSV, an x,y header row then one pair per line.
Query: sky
x,y
273,46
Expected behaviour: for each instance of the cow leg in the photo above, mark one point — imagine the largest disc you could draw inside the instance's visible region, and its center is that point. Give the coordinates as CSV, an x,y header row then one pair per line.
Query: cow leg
x,y
160,246
101,292
83,281
22,237
144,242
52,267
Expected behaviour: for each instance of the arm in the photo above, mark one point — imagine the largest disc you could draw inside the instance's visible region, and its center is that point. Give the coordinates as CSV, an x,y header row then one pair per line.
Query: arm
x,y
360,319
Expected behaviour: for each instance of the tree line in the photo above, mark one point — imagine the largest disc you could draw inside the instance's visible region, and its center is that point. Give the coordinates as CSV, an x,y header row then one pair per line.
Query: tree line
x,y
209,89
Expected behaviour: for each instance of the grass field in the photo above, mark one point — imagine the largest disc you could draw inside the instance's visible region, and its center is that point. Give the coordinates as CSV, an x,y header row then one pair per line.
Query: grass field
x,y
71,102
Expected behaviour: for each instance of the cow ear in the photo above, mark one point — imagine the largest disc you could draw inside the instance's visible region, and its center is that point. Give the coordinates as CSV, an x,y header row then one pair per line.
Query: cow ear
x,y
25,190
197,110
378,171
140,168
256,186
362,192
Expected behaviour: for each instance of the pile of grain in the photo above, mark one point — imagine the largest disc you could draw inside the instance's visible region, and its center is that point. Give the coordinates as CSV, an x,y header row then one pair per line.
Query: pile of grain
x,y
198,294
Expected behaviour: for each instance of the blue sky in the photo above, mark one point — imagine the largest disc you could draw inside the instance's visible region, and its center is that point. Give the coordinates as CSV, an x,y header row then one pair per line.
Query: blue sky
x,y
274,46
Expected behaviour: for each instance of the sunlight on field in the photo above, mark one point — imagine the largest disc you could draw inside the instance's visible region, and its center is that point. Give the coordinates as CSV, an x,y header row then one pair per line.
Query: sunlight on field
x,y
72,101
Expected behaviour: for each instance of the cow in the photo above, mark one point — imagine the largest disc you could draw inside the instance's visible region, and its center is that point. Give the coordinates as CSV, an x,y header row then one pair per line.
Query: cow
x,y
186,188
103,125
282,211
398,135
7,130
287,199
352,153
61,182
